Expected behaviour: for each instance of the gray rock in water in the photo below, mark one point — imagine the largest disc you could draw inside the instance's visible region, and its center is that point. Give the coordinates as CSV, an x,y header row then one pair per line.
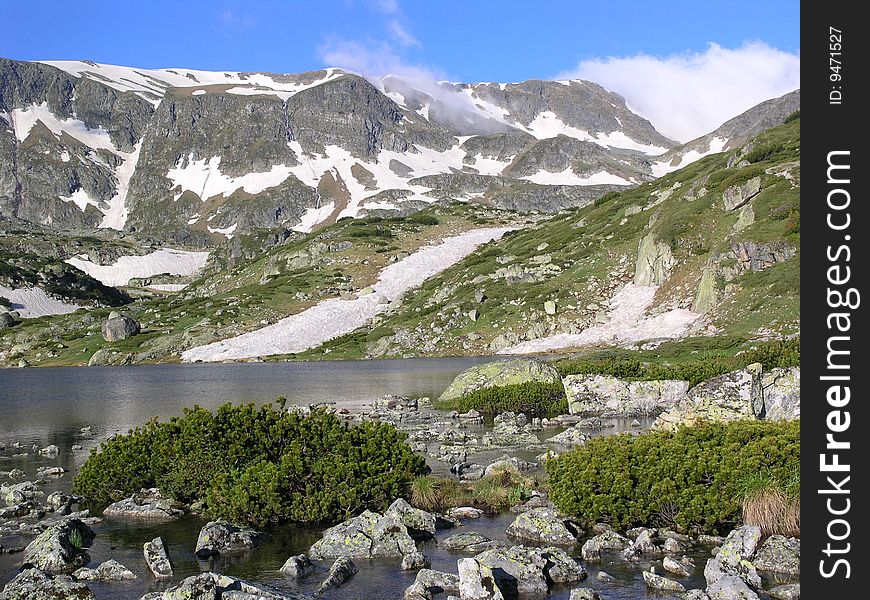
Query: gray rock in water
x,y
429,582
120,328
211,586
733,557
584,594
157,558
561,568
341,571
518,571
657,582
111,570
222,537
731,588
418,522
543,525
298,567
413,561
465,512
779,554
468,541
672,565
789,591
147,504
609,540
61,547
368,535
33,584
499,373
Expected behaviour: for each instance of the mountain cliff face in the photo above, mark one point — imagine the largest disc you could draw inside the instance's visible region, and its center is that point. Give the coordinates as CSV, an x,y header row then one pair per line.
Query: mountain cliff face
x,y
198,157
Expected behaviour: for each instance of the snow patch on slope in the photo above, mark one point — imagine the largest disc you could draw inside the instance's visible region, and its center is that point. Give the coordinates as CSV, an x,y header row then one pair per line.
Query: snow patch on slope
x,y
23,120
548,125
628,323
569,177
166,261
717,144
204,178
335,317
32,302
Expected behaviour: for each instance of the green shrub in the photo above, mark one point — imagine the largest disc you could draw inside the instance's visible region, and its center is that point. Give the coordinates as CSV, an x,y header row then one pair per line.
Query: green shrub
x,y
764,152
423,219
773,354
692,478
257,465
792,117
534,398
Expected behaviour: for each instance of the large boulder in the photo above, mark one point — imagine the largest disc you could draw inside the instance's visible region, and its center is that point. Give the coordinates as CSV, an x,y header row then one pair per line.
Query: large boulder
x,y
737,195
779,554
61,548
418,522
147,504
602,394
544,525
211,586
733,396
429,582
298,567
369,535
500,373
33,584
524,572
221,537
157,558
781,390
655,260
119,328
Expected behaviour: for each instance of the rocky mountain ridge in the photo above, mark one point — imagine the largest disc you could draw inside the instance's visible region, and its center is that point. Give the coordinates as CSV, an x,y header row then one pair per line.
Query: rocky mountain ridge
x,y
200,157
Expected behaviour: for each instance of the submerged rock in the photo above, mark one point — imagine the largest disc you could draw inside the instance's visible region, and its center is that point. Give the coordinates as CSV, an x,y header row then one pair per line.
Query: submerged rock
x,y
61,547
211,586
469,541
657,582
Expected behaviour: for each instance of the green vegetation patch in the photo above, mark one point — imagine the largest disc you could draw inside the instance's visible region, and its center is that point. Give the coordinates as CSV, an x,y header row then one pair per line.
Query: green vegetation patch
x,y
257,465
532,398
692,479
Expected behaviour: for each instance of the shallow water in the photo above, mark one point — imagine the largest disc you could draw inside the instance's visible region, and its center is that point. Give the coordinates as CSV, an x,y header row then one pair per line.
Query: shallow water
x,y
50,406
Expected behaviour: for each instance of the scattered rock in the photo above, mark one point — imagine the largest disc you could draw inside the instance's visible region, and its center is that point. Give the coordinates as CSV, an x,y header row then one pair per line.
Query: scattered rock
x,y
657,582
211,586
111,570
418,522
671,565
413,561
465,512
738,195
341,571
476,581
298,567
609,540
368,535
468,541
789,591
584,594
517,571
731,588
157,558
429,583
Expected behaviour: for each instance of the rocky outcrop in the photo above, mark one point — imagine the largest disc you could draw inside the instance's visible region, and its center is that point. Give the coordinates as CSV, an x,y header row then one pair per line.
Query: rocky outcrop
x,y
499,373
147,504
602,394
221,537
781,392
654,261
61,548
520,571
33,584
733,561
737,195
729,397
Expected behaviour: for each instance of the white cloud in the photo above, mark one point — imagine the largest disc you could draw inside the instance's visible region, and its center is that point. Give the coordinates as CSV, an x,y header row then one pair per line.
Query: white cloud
x,y
401,35
688,95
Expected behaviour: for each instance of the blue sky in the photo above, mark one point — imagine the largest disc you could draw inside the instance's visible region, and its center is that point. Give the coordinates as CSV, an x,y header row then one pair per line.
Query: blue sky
x,y
491,40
